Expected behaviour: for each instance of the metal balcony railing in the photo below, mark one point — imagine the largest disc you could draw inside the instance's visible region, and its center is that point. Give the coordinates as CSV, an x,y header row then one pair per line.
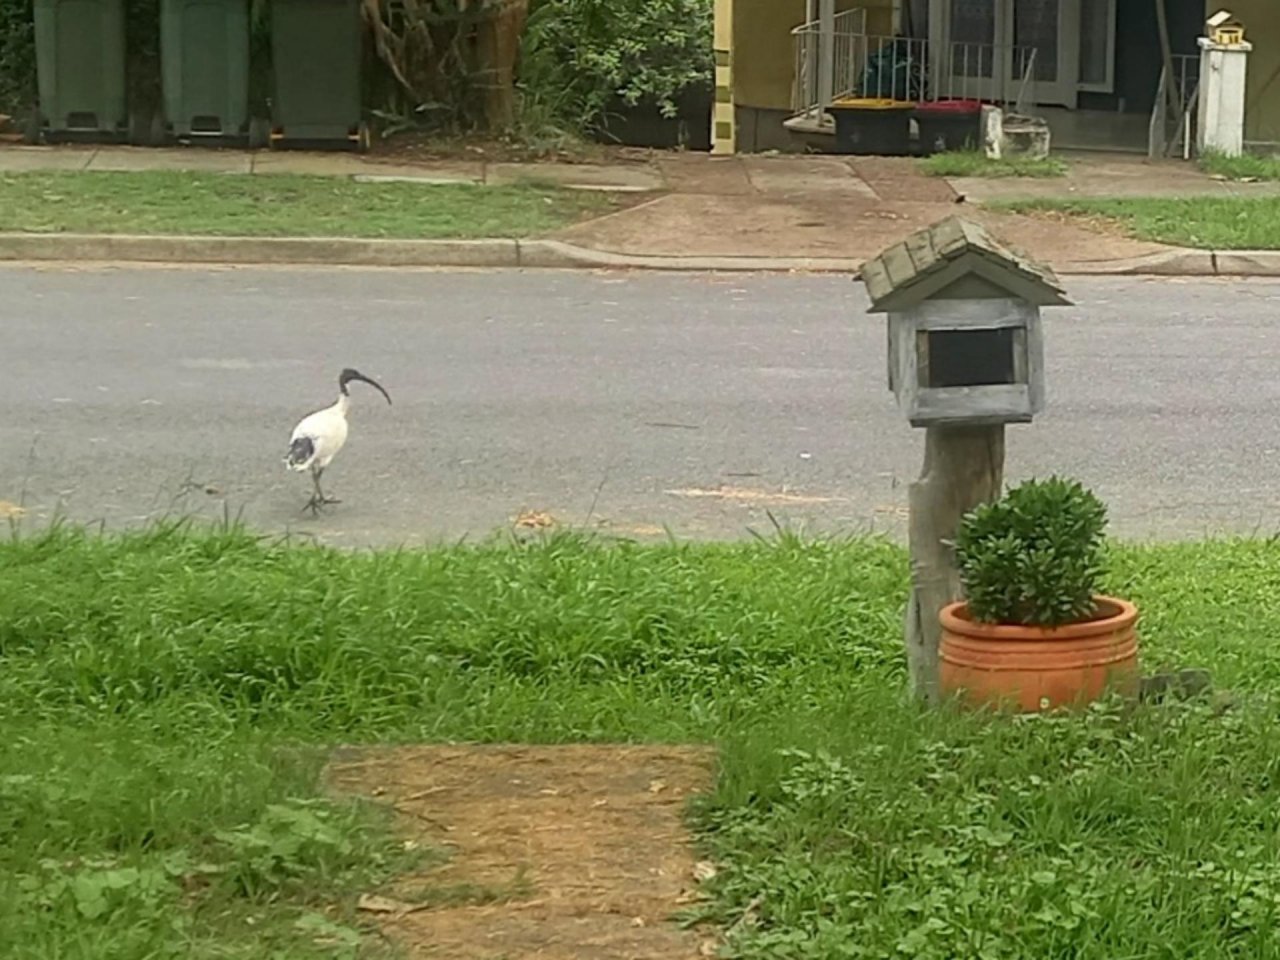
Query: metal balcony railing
x,y
902,68
1172,130
813,86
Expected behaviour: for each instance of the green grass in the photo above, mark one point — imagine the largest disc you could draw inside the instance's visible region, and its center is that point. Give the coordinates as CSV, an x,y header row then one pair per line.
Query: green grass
x,y
1210,223
974,163
164,697
280,205
1247,166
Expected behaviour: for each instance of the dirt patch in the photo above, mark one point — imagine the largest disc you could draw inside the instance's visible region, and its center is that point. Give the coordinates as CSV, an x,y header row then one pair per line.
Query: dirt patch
x,y
744,495
555,852
411,148
1094,223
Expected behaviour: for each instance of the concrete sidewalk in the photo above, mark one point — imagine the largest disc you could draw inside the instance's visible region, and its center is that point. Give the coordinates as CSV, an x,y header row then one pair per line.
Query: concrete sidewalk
x,y
621,177
825,208
749,211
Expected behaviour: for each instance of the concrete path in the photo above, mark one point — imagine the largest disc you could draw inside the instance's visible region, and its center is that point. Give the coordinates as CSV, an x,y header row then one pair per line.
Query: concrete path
x,y
819,207
624,401
622,177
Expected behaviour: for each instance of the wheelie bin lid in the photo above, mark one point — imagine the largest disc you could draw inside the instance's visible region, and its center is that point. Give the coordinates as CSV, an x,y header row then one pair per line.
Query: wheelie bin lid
x,y
871,103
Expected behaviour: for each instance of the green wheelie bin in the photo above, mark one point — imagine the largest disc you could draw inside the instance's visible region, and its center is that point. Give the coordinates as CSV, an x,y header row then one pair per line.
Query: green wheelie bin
x,y
316,53
204,65
80,70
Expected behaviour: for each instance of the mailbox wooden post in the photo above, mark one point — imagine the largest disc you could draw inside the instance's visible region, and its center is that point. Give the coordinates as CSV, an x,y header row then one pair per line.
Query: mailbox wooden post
x,y
966,357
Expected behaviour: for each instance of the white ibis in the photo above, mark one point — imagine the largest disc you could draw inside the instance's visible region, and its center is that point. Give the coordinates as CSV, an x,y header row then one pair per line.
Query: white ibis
x,y
319,436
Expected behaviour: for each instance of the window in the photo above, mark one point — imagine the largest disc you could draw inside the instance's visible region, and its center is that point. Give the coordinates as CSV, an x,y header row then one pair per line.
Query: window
x,y
1097,45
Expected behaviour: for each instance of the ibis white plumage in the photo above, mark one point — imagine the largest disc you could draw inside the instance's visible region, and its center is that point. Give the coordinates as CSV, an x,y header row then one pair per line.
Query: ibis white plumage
x,y
319,436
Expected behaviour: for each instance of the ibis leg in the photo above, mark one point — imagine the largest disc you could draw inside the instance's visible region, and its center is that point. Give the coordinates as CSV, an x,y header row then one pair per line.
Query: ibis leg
x,y
318,499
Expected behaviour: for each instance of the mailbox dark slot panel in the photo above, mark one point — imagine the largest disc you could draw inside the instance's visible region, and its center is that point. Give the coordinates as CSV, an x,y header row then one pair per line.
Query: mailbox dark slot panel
x,y
967,358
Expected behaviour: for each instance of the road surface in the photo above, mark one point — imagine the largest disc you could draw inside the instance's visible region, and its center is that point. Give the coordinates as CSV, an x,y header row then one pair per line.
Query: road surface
x,y
632,403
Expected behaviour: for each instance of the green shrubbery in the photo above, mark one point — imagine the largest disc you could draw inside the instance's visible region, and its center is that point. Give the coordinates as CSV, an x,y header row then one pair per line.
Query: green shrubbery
x,y
586,57
17,55
1035,555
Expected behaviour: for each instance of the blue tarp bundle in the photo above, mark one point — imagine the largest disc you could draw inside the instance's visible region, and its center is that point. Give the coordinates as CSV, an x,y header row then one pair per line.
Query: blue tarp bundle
x,y
894,72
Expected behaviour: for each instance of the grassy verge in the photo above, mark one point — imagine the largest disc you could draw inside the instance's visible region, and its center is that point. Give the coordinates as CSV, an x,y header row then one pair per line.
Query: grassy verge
x,y
973,163
161,695
1247,166
1217,223
281,205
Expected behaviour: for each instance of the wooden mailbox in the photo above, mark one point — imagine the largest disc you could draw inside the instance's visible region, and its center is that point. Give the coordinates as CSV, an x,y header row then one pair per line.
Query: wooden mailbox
x,y
965,344
966,356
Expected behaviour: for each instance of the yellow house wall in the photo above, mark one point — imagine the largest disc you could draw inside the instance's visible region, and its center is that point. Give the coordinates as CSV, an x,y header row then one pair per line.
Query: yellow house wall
x,y
1261,20
763,56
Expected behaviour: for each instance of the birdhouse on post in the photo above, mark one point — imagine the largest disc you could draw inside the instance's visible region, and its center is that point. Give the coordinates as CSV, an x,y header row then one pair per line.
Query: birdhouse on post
x,y
965,345
966,357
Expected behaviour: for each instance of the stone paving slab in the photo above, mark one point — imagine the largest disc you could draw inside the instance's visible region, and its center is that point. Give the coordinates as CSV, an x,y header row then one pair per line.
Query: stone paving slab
x,y
146,159
786,176
627,177
702,173
353,165
24,159
900,179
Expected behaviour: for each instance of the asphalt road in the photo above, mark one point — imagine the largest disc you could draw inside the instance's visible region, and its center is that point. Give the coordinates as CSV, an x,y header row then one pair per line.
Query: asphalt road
x,y
629,402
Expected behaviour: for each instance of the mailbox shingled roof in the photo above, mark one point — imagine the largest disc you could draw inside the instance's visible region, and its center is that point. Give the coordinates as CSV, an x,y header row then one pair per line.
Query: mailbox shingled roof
x,y
931,259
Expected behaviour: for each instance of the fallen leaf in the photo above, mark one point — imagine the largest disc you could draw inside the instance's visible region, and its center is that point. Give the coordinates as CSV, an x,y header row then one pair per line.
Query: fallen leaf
x,y
657,786
371,903
10,511
637,921
691,896
704,870
534,520
708,948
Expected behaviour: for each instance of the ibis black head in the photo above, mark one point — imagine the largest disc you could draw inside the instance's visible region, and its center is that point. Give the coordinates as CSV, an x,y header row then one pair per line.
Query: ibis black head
x,y
347,375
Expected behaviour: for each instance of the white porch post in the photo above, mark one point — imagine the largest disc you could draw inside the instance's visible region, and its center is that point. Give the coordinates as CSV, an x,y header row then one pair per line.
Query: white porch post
x,y
826,53
939,34
1223,70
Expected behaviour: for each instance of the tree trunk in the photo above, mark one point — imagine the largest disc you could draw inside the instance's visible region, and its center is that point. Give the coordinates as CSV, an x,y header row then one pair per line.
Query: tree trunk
x,y
963,468
499,48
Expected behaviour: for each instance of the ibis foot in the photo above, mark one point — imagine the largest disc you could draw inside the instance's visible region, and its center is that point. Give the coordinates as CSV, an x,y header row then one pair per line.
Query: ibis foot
x,y
315,503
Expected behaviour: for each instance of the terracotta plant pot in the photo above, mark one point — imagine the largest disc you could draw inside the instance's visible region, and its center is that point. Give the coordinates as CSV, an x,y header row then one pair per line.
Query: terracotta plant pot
x,y
1036,668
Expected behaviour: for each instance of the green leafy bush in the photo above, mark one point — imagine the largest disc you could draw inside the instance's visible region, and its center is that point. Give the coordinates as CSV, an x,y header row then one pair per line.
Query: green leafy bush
x,y
1034,556
17,56
585,56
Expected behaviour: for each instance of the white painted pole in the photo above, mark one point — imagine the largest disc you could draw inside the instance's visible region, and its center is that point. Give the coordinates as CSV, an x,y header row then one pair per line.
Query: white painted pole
x,y
1223,73
826,52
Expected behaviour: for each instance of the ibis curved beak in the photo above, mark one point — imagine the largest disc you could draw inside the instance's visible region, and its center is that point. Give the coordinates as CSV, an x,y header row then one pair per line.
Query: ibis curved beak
x,y
373,383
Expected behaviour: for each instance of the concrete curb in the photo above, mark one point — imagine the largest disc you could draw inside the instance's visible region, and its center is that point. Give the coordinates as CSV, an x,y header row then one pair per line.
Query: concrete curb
x,y
546,254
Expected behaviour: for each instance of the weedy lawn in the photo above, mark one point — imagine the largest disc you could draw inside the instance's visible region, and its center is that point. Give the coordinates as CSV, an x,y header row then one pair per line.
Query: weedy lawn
x,y
284,205
165,699
1207,223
